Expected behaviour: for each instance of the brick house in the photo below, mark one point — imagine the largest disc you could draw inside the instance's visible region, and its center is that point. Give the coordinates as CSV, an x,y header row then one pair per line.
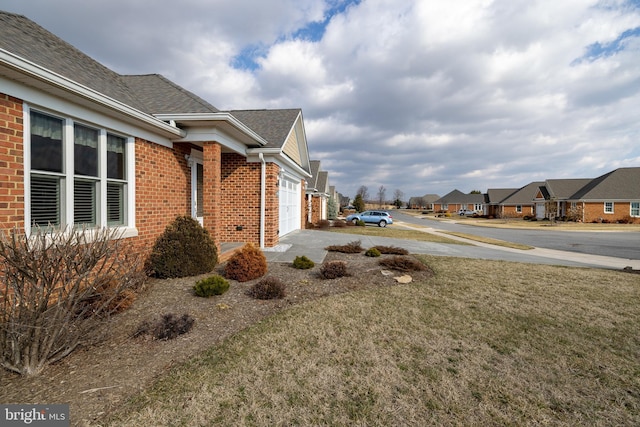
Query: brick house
x,y
455,200
81,145
317,194
612,197
512,203
425,202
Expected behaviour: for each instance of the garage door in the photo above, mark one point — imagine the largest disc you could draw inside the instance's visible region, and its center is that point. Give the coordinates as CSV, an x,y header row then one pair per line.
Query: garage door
x,y
289,206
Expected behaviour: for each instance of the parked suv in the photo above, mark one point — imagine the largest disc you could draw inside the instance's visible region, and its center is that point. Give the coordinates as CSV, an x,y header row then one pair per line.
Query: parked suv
x,y
381,218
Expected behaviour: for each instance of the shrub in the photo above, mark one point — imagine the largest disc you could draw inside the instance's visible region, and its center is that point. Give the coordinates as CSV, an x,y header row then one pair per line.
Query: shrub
x,y
303,263
268,288
403,263
167,327
184,249
323,223
214,285
372,252
333,269
391,250
247,264
339,223
350,248
360,223
56,288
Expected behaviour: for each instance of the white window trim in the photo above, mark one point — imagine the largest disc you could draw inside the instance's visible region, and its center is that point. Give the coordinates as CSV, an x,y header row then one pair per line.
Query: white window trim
x,y
125,231
612,208
631,209
193,159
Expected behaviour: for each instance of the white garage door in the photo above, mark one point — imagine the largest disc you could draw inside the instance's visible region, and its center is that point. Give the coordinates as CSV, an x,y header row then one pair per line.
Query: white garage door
x,y
289,206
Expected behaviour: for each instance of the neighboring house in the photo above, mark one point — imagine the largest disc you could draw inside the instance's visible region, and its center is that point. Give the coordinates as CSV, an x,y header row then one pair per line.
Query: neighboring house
x,y
425,202
612,197
513,203
81,145
552,195
457,200
317,194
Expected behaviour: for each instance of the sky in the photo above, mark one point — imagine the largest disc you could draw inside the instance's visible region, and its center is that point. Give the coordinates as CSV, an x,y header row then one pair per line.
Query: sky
x,y
420,96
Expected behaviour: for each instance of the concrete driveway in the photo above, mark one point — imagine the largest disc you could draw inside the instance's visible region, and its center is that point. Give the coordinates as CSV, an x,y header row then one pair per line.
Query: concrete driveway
x,y
311,243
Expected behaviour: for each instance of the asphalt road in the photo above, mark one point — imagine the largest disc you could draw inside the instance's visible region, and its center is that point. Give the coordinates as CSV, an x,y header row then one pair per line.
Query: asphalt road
x,y
612,244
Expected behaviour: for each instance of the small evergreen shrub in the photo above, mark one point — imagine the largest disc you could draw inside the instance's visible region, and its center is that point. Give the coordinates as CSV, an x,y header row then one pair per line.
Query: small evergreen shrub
x,y
214,285
354,247
169,326
392,250
403,263
184,249
333,269
303,263
372,252
268,288
360,223
247,264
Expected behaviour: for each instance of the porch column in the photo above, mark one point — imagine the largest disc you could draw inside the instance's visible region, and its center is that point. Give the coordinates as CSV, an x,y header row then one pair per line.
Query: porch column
x,y
212,196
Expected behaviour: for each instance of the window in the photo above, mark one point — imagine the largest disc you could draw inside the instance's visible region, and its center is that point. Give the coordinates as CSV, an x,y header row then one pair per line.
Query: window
x,y
635,209
608,207
518,208
78,174
477,207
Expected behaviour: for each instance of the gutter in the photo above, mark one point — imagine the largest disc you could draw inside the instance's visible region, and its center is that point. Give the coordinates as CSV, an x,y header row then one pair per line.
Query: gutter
x,y
263,190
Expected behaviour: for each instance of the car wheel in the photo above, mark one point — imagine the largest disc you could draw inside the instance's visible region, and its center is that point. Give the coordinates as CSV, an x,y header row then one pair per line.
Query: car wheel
x,y
355,221
382,223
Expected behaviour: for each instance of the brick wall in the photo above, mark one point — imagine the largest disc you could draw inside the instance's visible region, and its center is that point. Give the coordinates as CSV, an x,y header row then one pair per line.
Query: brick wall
x,y
11,163
272,206
593,212
315,209
163,189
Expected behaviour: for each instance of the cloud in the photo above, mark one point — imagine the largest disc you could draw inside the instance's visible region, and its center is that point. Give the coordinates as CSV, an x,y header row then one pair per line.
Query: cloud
x,y
418,96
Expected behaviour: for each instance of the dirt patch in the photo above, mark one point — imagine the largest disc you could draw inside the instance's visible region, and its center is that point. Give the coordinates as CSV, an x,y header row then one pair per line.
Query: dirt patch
x,y
98,379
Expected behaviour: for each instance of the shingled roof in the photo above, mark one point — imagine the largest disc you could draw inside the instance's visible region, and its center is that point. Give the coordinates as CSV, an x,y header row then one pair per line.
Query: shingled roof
x,y
152,93
159,95
273,125
619,184
26,39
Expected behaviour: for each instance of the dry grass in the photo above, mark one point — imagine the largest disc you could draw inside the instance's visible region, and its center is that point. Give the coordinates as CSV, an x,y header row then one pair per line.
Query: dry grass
x,y
489,240
397,233
481,343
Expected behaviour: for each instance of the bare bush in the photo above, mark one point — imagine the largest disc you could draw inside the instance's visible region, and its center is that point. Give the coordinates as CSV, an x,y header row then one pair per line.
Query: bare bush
x,y
56,289
167,327
403,263
354,247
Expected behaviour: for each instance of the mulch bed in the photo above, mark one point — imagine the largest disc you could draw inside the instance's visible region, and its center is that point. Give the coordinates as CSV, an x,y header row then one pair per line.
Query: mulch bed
x,y
97,379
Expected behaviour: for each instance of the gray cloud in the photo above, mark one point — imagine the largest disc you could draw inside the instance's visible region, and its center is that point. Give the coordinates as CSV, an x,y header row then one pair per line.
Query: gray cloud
x,y
419,96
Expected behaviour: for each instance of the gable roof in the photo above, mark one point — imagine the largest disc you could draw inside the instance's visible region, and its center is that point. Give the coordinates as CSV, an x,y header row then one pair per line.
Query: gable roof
x,y
457,196
158,95
273,125
497,195
313,181
524,195
562,189
619,184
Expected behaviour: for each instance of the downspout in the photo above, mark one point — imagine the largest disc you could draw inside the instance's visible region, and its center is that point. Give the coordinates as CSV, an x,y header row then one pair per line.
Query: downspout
x,y
263,177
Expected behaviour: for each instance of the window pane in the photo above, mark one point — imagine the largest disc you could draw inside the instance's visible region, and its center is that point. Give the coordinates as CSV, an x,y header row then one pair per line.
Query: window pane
x,y
85,151
115,157
84,202
45,201
46,143
199,190
635,208
115,203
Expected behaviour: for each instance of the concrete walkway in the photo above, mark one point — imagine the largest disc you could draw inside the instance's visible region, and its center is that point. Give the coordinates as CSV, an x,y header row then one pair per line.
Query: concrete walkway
x,y
311,243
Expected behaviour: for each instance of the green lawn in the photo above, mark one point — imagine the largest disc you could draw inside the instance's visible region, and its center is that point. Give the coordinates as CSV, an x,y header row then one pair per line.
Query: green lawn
x,y
480,343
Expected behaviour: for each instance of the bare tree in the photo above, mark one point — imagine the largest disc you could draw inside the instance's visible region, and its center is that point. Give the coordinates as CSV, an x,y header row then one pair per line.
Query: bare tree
x,y
381,195
363,191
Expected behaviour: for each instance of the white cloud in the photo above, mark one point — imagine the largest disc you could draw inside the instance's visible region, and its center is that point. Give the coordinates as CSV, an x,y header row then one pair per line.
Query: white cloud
x,y
421,96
